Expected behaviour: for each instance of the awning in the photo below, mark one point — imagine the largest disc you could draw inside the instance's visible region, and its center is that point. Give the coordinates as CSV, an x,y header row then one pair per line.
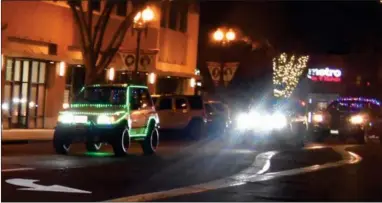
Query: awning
x,y
29,53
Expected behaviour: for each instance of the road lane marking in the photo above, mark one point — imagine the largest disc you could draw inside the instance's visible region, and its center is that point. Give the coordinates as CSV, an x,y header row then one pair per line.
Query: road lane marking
x,y
16,169
30,185
249,175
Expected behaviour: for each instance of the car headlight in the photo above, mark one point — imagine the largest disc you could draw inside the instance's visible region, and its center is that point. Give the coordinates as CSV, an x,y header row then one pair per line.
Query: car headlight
x,y
66,118
358,119
279,121
103,119
318,118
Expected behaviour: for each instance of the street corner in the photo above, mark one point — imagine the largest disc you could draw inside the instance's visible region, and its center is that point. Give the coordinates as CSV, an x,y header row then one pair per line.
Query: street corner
x,y
300,158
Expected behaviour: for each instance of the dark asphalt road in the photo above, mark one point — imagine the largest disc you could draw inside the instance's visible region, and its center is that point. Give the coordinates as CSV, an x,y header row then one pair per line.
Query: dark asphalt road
x,y
181,163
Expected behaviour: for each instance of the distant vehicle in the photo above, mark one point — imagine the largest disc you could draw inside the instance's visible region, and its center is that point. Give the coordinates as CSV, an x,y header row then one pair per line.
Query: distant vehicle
x,y
218,117
114,114
182,112
359,118
275,120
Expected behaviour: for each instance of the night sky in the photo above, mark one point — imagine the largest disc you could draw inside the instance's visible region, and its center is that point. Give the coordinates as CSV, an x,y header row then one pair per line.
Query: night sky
x,y
307,27
319,26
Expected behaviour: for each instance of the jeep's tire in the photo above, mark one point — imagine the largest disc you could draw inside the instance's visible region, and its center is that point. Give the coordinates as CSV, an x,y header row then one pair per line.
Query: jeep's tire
x,y
60,143
93,147
150,143
121,142
196,129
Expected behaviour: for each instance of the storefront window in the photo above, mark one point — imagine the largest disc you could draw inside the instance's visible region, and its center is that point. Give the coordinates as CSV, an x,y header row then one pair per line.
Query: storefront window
x,y
24,93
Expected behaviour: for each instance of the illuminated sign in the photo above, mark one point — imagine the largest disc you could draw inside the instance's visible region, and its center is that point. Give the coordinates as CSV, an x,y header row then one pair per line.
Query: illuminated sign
x,y
325,74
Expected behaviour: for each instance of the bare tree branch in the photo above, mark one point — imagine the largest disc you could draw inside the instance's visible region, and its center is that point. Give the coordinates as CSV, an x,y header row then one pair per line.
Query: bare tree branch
x,y
121,32
90,20
101,26
80,27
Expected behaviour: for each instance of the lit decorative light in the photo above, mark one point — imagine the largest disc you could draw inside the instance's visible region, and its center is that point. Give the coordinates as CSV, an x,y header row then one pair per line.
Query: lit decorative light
x,y
137,17
117,113
111,74
360,99
32,104
65,105
147,14
230,35
199,84
286,73
95,105
197,72
192,82
5,106
61,71
16,100
152,78
218,35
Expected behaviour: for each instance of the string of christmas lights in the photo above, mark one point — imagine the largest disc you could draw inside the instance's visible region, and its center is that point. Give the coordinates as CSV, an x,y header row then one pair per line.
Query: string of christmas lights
x,y
286,73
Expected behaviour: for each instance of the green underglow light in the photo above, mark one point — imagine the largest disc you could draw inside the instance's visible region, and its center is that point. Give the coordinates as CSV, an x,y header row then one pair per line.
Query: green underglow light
x,y
98,154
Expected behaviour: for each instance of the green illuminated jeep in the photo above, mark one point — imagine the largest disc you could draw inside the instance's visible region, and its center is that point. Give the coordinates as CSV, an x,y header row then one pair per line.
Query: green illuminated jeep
x,y
113,114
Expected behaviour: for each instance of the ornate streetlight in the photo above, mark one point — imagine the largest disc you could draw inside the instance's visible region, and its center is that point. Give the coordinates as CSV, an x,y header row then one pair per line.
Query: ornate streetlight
x,y
224,37
141,21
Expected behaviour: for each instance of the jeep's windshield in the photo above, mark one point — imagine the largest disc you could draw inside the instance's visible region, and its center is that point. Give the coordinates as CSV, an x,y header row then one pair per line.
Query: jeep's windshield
x,y
102,95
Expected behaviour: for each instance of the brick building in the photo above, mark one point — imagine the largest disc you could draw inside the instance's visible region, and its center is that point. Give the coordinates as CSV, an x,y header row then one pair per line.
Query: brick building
x,y
42,63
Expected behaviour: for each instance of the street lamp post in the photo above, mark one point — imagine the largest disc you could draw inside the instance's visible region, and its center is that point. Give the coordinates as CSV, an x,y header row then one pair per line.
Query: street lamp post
x,y
141,21
224,38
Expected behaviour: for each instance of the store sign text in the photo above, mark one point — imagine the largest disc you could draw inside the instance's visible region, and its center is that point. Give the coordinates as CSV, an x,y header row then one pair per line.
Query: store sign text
x,y
325,74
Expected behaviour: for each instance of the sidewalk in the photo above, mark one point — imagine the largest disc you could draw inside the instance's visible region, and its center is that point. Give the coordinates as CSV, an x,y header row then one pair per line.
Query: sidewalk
x,y
26,135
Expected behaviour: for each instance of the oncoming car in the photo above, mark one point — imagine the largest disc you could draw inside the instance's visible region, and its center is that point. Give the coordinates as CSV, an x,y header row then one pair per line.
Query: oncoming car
x,y
358,118
284,121
113,114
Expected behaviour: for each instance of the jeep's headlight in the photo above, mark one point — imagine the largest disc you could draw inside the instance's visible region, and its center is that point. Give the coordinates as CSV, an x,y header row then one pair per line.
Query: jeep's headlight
x,y
66,118
357,119
103,119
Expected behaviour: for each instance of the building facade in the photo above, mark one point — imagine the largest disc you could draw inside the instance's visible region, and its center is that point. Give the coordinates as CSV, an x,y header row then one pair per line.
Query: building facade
x,y
42,62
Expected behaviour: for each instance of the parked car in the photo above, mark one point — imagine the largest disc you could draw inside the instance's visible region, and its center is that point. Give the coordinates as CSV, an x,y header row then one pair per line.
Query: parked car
x,y
359,118
218,117
114,114
182,112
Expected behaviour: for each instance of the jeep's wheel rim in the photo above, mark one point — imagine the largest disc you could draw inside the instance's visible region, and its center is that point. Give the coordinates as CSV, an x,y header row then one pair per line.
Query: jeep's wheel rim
x,y
97,146
66,147
125,140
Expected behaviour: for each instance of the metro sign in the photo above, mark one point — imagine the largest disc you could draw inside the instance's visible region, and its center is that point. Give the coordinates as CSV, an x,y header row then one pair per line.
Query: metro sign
x,y
325,74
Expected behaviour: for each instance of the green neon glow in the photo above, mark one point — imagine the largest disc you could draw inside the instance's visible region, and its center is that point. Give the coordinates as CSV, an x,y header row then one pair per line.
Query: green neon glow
x,y
98,154
96,105
138,86
138,132
94,113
